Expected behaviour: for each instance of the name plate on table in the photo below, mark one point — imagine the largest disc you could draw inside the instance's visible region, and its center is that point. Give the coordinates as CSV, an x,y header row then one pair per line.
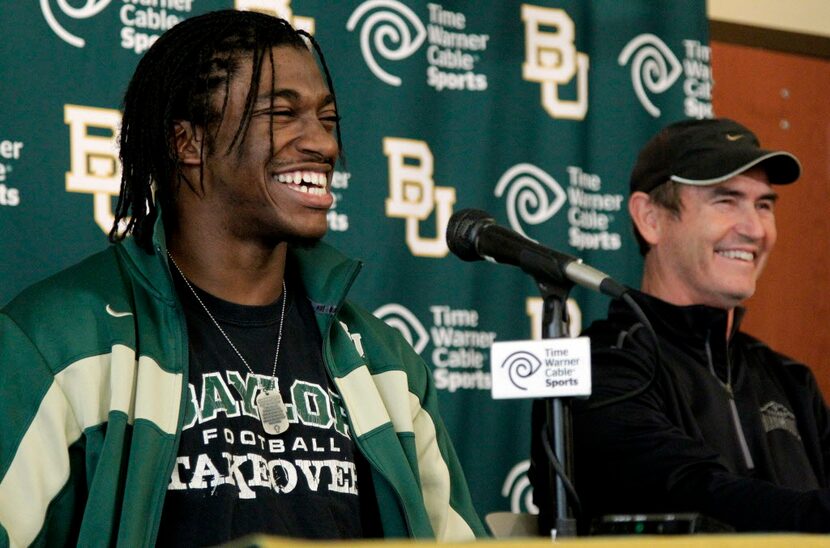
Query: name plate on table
x,y
550,368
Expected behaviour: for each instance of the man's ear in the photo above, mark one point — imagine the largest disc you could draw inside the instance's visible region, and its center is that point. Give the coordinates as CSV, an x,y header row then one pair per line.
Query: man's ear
x,y
645,216
187,139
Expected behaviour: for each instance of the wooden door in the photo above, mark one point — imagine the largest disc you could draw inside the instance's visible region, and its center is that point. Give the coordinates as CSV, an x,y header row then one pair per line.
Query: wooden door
x,y
785,99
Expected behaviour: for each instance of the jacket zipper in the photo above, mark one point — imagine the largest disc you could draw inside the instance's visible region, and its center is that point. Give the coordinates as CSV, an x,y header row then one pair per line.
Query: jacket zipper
x,y
328,358
184,353
736,421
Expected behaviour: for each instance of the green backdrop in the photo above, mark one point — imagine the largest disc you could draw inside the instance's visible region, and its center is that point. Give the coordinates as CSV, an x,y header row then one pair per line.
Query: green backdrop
x,y
533,112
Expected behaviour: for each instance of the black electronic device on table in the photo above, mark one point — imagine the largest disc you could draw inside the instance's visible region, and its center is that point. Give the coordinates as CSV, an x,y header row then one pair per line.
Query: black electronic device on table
x,y
688,523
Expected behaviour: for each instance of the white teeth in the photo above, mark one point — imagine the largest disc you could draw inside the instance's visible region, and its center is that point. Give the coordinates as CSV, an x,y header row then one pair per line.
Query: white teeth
x,y
314,190
739,255
314,182
310,177
316,179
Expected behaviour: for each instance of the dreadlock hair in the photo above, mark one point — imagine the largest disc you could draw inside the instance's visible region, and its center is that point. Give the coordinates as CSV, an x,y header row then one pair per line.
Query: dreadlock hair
x,y
177,79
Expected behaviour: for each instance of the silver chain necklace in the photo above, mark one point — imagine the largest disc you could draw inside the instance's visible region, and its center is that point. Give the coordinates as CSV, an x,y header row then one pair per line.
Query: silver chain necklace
x,y
272,409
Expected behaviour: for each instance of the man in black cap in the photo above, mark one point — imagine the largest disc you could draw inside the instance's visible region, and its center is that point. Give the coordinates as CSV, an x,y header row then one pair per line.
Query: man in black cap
x,y
704,418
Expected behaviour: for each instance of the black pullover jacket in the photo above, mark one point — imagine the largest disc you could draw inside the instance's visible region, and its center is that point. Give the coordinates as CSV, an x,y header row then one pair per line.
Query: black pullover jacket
x,y
730,429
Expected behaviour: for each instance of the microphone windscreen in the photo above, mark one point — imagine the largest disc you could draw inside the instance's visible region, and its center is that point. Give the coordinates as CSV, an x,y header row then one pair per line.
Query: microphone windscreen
x,y
462,230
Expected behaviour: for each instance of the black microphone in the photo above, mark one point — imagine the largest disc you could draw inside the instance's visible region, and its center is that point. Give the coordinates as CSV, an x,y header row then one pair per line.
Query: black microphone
x,y
473,235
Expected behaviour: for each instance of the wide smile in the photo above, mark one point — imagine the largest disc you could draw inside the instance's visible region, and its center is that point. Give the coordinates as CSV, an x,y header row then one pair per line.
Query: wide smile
x,y
305,182
737,255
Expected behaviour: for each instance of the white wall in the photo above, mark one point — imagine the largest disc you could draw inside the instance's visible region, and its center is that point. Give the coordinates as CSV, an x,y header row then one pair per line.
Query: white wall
x,y
802,16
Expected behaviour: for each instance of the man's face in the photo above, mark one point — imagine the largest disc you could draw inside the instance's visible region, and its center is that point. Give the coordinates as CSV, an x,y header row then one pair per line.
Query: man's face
x,y
280,194
714,252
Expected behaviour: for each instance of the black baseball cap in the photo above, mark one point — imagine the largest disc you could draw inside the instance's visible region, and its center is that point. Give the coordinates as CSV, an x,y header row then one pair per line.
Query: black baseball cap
x,y
707,152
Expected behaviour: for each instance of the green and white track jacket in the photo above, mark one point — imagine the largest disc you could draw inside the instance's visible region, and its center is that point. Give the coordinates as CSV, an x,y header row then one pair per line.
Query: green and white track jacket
x,y
93,380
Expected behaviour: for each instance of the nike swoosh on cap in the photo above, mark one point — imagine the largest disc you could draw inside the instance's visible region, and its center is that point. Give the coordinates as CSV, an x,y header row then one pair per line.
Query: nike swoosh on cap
x,y
115,314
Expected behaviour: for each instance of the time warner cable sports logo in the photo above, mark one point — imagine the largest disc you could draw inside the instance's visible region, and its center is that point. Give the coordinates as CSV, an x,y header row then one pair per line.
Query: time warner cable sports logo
x,y
532,197
10,152
460,344
390,31
143,21
517,489
655,69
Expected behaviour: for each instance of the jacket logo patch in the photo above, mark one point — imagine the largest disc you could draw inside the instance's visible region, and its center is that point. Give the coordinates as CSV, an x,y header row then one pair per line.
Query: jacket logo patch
x,y
356,339
776,416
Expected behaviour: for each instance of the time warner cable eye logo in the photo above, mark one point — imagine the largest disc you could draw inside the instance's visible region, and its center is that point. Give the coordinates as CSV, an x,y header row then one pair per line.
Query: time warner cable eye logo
x,y
406,323
143,21
653,66
655,69
520,366
518,490
528,195
391,22
391,31
460,343
532,197
90,9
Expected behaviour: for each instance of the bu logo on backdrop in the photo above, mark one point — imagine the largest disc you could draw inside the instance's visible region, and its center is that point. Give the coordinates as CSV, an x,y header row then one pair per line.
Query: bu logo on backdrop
x,y
551,60
93,158
413,195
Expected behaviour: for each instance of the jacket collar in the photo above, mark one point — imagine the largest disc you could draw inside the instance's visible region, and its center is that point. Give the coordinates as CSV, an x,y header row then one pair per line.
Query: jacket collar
x,y
150,267
690,323
327,274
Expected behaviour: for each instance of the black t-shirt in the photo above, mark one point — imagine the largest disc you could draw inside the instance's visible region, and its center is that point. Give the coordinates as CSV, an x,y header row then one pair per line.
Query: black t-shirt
x,y
231,478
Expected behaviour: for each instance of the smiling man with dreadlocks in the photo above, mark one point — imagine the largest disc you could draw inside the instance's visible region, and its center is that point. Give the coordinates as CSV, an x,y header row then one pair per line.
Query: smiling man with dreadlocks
x,y
205,377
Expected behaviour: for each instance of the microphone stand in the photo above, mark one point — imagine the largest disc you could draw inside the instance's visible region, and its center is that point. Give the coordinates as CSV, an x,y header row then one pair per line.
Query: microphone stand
x,y
554,324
